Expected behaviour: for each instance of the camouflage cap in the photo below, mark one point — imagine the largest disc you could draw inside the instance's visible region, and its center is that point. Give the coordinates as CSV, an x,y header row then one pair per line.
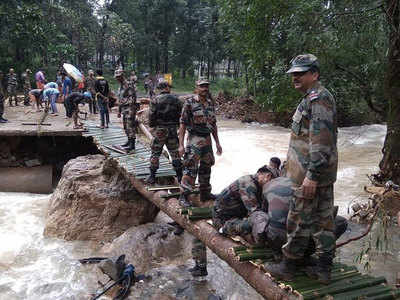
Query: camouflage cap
x,y
162,83
202,81
302,63
118,73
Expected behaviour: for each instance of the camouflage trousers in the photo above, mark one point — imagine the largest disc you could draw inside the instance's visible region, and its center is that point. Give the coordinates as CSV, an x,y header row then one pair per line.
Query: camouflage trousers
x,y
199,253
12,93
129,122
26,94
232,219
311,219
198,159
165,136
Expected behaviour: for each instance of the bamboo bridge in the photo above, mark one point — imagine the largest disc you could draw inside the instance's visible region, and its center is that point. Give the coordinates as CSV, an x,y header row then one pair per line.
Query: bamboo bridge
x,y
347,281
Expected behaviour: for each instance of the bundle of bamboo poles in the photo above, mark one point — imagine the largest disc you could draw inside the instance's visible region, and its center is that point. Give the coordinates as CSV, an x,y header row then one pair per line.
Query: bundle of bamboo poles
x,y
176,195
259,253
346,281
196,213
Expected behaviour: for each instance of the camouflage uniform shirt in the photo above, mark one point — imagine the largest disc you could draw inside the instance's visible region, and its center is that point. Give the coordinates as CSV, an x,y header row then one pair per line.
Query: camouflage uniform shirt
x,y
12,80
199,118
127,97
90,83
165,110
243,192
26,81
312,149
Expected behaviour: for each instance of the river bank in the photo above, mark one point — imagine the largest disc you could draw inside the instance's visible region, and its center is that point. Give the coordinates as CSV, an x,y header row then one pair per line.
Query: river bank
x,y
246,110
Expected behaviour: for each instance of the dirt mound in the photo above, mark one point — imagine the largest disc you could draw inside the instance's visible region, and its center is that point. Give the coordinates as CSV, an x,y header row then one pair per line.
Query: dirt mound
x,y
246,110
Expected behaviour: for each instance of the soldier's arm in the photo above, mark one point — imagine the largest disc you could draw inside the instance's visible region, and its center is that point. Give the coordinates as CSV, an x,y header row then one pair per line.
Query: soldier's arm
x,y
184,121
248,194
322,136
214,133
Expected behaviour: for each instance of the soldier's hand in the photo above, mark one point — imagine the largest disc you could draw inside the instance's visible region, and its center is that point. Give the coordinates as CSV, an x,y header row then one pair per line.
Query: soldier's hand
x,y
181,150
219,149
119,115
309,188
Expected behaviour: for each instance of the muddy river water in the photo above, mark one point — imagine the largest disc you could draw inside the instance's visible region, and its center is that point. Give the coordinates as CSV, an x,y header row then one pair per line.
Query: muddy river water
x,y
34,267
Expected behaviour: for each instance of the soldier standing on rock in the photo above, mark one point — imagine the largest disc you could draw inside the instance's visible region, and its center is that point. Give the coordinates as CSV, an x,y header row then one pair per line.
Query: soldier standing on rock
x,y
27,85
198,118
12,87
311,164
128,108
164,114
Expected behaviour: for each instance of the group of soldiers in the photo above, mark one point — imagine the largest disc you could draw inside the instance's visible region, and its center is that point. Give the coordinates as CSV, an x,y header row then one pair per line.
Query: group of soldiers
x,y
8,88
291,209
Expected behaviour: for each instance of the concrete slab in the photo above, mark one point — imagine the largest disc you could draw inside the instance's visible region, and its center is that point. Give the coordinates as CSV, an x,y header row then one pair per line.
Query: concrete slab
x,y
60,126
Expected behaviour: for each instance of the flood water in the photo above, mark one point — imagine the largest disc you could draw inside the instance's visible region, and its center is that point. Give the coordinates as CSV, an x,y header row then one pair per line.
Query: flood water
x,y
34,267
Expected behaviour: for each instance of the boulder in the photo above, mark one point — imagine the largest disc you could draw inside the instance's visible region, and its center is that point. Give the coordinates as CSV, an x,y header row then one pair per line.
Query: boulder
x,y
151,245
95,201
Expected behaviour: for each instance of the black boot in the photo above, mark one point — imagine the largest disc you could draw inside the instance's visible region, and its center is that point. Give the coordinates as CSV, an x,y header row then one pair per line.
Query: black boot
x,y
125,144
285,270
321,271
3,120
177,164
198,270
152,177
131,145
183,201
179,175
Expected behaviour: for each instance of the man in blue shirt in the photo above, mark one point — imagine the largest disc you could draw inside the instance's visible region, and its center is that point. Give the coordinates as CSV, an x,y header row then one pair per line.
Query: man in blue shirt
x,y
50,96
67,87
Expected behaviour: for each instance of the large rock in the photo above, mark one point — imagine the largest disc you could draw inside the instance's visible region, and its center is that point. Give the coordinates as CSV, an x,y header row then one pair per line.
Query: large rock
x,y
150,245
94,201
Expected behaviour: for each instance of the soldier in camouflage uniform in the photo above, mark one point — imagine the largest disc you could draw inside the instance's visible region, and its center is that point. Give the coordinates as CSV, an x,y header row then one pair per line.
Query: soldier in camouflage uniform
x,y
198,118
239,201
127,107
231,209
12,87
311,164
269,225
2,99
27,85
90,83
164,113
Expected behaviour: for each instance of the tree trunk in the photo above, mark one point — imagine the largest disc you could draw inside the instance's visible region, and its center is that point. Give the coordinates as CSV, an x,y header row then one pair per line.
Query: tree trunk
x,y
165,54
228,71
390,163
